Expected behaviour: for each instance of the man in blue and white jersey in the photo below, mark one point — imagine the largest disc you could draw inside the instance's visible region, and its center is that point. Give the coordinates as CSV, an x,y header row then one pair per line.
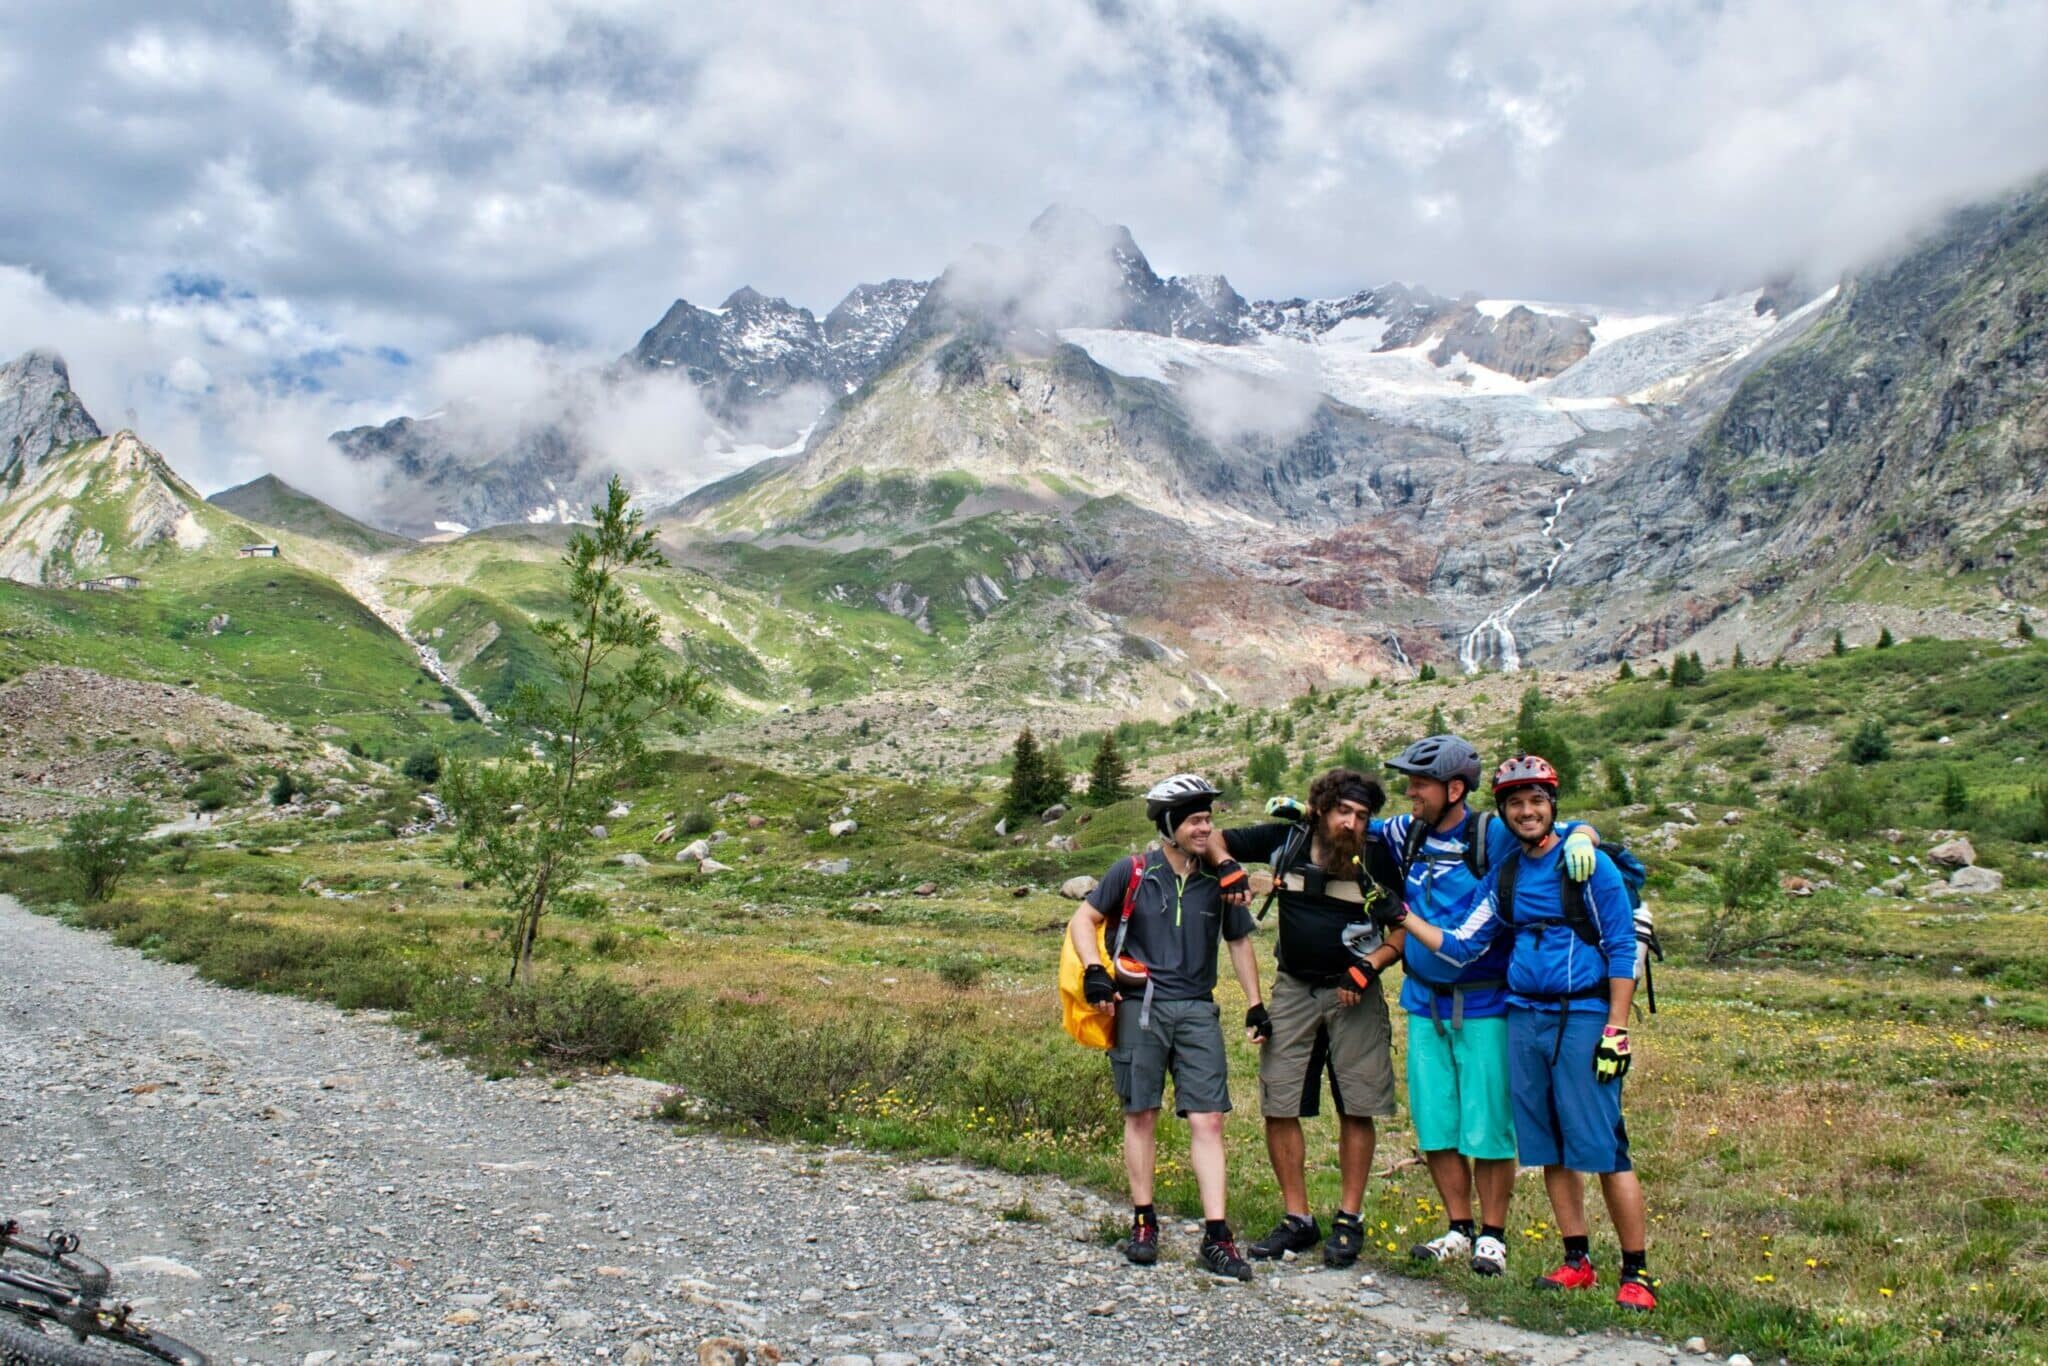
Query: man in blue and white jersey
x,y
1571,977
1458,1089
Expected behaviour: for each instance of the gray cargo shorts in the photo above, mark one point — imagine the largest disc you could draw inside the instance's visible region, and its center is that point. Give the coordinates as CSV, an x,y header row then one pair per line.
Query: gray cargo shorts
x,y
1186,1038
1313,1034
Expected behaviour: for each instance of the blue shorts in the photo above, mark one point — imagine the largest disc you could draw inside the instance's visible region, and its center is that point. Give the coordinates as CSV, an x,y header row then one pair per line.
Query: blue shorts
x,y
1564,1114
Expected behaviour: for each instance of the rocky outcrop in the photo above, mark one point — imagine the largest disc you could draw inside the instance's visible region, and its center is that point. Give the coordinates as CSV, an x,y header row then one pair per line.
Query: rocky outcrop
x,y
39,415
96,509
1521,343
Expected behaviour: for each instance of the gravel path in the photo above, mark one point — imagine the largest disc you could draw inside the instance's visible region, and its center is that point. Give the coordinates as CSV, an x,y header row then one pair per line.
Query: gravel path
x,y
278,1182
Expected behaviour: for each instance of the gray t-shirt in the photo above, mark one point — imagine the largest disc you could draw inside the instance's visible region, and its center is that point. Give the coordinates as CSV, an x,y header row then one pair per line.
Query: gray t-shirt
x,y
1175,925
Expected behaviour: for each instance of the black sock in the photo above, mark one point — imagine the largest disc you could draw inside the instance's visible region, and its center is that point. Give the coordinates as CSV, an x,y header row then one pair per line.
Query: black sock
x,y
1463,1226
1494,1231
1143,1214
1216,1230
1578,1248
1635,1263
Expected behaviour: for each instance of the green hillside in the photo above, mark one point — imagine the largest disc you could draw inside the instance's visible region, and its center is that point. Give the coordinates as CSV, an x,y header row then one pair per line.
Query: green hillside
x,y
293,645
271,502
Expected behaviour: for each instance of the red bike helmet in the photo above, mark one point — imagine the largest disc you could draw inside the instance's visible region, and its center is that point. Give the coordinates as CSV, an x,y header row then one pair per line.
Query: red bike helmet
x,y
1525,770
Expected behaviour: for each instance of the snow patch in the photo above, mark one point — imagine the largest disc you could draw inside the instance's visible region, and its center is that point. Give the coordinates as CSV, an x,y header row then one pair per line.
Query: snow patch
x,y
451,528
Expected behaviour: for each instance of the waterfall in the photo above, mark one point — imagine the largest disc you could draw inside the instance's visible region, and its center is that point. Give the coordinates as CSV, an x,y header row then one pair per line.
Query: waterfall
x,y
1492,641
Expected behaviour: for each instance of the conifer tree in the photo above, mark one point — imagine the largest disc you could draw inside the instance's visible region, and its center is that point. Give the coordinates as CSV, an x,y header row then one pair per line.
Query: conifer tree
x,y
1027,775
1108,776
1884,638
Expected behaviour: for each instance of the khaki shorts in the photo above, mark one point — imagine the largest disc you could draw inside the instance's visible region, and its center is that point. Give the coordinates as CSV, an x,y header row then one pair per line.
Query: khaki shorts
x,y
1312,1033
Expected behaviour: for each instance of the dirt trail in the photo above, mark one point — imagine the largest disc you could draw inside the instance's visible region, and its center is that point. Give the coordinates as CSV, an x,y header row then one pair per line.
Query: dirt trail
x,y
275,1180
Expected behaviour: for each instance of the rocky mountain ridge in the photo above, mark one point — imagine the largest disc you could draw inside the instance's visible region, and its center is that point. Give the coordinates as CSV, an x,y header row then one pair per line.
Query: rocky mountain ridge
x,y
39,415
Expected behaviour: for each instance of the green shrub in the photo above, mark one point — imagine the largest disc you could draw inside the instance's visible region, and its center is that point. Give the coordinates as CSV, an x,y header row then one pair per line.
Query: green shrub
x,y
282,790
102,845
423,766
1752,911
770,1072
575,1017
961,971
1870,744
212,790
696,823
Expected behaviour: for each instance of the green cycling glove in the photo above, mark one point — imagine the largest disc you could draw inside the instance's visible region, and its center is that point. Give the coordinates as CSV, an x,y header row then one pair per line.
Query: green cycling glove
x,y
1611,1058
1578,855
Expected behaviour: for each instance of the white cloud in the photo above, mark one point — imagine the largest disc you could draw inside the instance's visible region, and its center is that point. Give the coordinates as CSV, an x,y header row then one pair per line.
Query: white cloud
x,y
425,177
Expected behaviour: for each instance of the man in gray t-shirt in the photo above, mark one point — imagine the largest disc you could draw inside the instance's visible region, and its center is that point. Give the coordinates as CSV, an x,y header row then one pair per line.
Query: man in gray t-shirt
x,y
1161,983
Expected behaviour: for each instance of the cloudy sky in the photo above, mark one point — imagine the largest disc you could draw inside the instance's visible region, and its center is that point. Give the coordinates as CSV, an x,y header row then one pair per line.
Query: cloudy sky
x,y
249,223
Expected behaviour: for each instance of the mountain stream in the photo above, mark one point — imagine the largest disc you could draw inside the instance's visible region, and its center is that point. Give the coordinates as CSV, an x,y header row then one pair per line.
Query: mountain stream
x,y
1492,641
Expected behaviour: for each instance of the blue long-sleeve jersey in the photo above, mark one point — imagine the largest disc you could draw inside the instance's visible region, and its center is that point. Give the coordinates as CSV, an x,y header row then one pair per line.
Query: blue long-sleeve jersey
x,y
1548,964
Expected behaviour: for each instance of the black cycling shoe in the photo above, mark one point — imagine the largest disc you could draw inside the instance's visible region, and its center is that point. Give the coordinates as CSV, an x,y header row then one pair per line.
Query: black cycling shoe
x,y
1142,1247
1346,1241
1219,1258
1289,1235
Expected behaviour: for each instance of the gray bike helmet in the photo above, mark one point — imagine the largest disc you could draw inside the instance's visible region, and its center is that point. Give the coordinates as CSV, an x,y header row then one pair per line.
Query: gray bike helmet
x,y
1173,800
1442,757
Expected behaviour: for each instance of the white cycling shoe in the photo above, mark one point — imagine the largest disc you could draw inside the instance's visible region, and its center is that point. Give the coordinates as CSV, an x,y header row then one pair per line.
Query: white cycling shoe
x,y
1451,1247
1489,1256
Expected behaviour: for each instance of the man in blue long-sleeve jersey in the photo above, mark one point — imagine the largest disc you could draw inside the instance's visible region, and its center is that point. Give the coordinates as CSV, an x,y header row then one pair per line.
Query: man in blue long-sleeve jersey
x,y
1570,983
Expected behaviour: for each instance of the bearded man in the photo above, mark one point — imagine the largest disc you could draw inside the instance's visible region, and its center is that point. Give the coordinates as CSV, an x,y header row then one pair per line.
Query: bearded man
x,y
1326,1012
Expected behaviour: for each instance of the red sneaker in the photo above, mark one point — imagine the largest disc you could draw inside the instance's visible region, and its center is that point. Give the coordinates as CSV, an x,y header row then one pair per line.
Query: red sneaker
x,y
1637,1291
1572,1275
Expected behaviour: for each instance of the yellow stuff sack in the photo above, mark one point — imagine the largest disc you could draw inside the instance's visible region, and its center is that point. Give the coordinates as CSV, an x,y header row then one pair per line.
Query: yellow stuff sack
x,y
1089,1026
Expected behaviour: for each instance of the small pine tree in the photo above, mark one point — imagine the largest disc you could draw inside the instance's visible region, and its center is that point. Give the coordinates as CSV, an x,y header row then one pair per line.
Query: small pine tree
x,y
1841,646
2026,629
864,729
1352,757
1955,797
282,791
1267,768
1738,662
1869,744
1624,673
1027,775
1053,783
1108,775
1884,638
1287,731
1437,724
1428,674
1618,791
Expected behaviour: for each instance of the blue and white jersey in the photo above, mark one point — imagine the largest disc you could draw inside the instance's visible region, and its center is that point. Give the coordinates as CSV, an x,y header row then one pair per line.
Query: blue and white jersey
x,y
1442,890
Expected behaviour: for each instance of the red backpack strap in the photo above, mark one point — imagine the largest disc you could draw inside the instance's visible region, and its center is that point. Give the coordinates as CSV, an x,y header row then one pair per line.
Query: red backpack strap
x,y
1139,861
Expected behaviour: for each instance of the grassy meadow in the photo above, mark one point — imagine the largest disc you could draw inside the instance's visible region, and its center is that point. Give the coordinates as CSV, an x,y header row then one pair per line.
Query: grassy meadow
x,y
1842,1135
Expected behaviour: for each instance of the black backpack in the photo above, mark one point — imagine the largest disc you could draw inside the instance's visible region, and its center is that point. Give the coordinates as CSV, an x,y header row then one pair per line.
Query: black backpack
x,y
1475,847
1578,911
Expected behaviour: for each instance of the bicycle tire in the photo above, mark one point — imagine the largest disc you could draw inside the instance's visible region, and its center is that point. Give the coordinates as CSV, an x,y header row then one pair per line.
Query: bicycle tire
x,y
37,1342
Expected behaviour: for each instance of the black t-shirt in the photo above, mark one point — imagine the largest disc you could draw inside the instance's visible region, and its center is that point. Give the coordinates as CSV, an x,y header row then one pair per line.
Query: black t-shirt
x,y
1312,923
1175,925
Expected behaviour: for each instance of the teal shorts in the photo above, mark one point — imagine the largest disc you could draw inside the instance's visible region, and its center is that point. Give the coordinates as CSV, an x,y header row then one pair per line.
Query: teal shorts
x,y
1458,1087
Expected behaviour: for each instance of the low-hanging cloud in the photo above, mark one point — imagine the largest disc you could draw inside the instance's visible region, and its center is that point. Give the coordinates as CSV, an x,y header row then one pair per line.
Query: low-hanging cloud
x,y
1273,404
416,179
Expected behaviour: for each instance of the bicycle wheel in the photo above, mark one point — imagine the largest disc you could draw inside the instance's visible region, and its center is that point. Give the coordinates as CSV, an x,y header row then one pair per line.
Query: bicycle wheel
x,y
34,1341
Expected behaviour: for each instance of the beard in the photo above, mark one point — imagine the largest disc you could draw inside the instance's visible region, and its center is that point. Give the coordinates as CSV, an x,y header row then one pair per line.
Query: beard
x,y
1341,850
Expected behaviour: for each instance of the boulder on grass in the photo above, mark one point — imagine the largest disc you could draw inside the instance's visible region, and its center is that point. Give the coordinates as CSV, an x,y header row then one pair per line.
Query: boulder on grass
x,y
1974,879
841,828
1955,853
1077,888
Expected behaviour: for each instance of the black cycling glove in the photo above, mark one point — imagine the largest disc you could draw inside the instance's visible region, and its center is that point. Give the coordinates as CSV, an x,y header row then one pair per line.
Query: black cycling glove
x,y
1096,985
